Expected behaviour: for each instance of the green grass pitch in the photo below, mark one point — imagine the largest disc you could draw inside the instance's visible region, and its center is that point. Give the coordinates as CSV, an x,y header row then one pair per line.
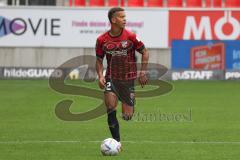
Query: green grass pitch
x,y
30,130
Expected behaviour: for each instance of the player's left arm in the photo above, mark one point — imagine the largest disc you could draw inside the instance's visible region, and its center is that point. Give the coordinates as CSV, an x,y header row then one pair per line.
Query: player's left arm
x,y
140,47
142,75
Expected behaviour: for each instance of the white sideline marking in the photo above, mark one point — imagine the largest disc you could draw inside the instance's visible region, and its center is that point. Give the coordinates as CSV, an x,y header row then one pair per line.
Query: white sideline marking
x,y
149,142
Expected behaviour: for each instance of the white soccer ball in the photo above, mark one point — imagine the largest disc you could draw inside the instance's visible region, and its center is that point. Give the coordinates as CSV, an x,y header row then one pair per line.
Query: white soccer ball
x,y
110,147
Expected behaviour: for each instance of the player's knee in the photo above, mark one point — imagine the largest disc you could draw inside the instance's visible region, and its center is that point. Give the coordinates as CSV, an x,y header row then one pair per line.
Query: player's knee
x,y
111,107
127,117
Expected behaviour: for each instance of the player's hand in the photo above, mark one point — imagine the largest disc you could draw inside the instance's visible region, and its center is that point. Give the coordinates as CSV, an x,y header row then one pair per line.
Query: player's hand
x,y
142,78
101,82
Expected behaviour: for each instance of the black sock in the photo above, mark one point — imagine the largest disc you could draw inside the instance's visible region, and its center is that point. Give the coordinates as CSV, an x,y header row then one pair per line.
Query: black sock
x,y
113,124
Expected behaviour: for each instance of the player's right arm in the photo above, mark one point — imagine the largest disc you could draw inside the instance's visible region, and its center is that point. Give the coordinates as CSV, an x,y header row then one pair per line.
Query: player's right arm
x,y
99,68
99,64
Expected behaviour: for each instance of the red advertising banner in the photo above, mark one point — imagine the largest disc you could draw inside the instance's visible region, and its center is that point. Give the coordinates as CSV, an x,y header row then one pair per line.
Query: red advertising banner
x,y
208,57
204,25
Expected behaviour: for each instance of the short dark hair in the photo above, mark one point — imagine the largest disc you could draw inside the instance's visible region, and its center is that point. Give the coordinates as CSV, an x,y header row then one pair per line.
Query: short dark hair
x,y
112,11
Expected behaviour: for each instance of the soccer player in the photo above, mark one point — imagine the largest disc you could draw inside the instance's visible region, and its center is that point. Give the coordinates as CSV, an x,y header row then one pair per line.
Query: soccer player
x,y
118,45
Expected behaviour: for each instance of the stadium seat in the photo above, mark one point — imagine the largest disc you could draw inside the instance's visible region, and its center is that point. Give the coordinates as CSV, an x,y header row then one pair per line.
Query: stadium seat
x,y
100,3
232,3
174,3
213,3
113,3
77,3
155,3
135,3
193,3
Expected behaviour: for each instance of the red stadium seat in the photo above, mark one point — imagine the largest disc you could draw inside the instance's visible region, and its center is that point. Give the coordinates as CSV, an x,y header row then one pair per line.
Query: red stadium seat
x,y
213,3
194,3
174,3
155,3
232,3
135,3
77,3
114,3
97,3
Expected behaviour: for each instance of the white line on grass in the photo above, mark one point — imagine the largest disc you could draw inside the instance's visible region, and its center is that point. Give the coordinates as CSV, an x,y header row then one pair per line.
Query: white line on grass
x,y
137,142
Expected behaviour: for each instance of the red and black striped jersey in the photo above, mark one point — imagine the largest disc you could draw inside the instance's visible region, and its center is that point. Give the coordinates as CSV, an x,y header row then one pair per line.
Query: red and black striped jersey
x,y
120,54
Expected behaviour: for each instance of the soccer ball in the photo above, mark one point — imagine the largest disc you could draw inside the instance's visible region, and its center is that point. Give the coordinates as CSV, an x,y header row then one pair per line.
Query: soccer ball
x,y
110,147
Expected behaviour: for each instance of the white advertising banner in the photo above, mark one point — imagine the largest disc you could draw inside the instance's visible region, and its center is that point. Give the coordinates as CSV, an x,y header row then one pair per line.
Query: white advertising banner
x,y
51,27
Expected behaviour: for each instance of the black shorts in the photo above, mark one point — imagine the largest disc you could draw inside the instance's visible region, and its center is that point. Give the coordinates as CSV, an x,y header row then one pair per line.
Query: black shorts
x,y
124,90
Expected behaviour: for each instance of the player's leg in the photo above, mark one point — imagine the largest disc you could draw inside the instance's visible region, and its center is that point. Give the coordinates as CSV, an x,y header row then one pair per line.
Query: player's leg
x,y
111,103
111,100
127,97
127,111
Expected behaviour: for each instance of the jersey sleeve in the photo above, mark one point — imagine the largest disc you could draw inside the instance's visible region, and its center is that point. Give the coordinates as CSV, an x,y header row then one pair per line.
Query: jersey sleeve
x,y
138,44
99,49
